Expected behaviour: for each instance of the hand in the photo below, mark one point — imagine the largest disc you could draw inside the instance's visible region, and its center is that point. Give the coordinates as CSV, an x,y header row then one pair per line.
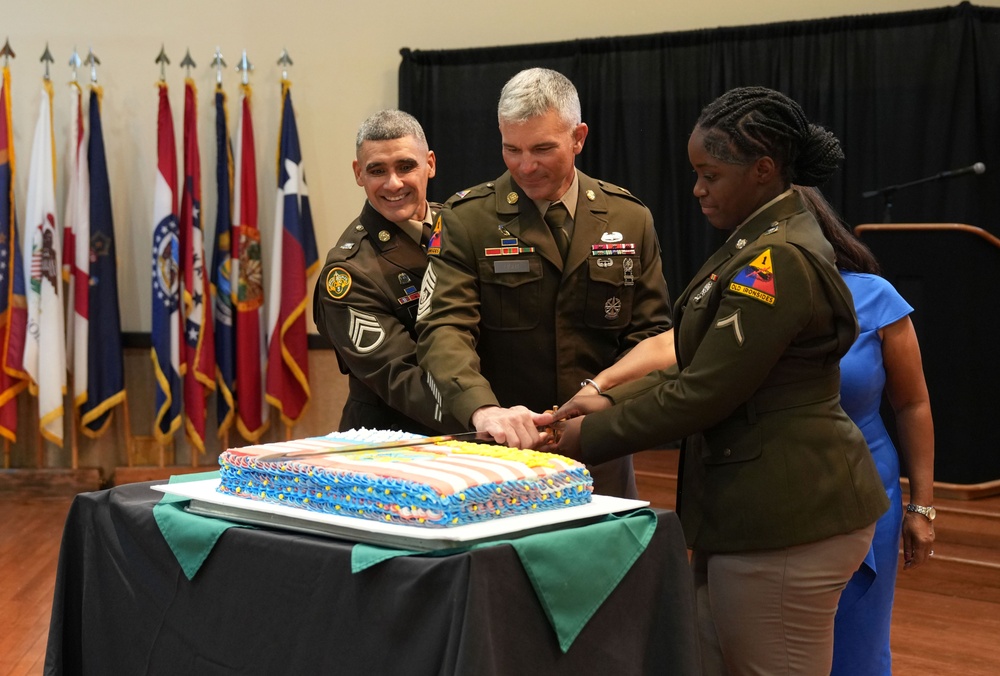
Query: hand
x,y
569,437
918,538
513,427
581,404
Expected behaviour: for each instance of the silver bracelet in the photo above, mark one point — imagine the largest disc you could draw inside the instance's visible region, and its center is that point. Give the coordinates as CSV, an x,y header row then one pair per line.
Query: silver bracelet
x,y
588,381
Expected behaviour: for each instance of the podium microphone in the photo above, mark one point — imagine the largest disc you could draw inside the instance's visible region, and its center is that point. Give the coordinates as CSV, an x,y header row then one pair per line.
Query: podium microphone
x,y
888,192
977,168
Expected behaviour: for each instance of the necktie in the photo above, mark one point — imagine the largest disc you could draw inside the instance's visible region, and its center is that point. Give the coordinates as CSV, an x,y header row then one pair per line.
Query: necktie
x,y
555,217
426,236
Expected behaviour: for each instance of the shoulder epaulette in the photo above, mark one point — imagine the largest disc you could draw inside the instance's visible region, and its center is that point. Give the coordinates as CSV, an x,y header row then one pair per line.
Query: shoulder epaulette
x,y
481,190
349,243
612,189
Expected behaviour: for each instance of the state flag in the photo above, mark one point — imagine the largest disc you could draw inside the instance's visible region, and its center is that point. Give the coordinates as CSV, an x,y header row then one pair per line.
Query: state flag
x,y
247,282
295,258
13,309
105,370
198,364
44,345
166,276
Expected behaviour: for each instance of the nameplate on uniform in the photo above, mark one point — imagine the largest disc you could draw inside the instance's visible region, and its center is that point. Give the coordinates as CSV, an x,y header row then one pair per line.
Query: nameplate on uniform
x,y
503,267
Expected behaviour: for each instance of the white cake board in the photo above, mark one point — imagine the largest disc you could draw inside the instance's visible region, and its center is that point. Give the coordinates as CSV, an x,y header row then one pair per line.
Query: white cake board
x,y
207,501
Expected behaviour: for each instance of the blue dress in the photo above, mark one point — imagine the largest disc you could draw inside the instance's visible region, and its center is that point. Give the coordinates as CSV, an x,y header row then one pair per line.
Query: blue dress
x,y
861,634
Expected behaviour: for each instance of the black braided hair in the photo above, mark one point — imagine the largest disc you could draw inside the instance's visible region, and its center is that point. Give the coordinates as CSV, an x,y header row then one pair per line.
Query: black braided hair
x,y
747,123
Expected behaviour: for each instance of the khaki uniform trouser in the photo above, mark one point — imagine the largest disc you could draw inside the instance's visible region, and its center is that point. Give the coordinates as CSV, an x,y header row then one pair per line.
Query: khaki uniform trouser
x,y
771,612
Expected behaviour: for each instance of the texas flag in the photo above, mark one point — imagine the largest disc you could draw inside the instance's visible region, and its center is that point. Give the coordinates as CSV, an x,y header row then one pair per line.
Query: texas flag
x,y
44,346
295,258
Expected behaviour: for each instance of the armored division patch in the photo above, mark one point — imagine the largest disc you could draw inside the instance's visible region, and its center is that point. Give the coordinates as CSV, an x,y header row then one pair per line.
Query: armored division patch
x,y
757,279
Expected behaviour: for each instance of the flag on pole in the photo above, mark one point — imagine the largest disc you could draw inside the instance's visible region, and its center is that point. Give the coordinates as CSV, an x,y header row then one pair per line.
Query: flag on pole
x,y
76,248
44,346
198,367
247,280
105,372
295,258
13,310
225,342
166,279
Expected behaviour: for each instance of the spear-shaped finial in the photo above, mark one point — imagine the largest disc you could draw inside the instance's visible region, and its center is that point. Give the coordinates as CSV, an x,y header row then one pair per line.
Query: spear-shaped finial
x,y
164,62
244,67
284,61
218,63
47,59
74,62
93,62
7,53
188,62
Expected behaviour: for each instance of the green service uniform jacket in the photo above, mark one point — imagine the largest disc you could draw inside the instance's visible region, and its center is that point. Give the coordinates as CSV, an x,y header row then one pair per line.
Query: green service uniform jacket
x,y
771,460
503,321
365,304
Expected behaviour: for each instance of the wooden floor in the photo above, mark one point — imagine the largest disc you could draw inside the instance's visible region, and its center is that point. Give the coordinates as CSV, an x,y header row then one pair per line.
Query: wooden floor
x,y
946,620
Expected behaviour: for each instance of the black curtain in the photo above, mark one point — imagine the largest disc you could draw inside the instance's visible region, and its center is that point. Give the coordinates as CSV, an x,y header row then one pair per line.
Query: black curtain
x,y
909,94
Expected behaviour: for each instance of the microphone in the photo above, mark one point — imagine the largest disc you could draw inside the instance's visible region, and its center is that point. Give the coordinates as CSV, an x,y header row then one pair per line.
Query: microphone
x,y
977,168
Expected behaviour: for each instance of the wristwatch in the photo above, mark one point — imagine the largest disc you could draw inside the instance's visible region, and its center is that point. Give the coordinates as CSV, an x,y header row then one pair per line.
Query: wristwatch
x,y
929,512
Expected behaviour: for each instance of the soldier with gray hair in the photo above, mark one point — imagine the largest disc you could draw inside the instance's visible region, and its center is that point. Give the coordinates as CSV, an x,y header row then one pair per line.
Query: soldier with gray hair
x,y
539,279
365,301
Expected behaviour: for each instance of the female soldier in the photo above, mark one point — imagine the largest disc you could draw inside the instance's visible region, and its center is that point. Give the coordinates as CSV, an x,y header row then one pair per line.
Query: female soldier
x,y
778,493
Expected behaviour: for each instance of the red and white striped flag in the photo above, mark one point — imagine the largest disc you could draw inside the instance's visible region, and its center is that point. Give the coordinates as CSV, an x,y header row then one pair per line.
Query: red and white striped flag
x,y
44,348
247,283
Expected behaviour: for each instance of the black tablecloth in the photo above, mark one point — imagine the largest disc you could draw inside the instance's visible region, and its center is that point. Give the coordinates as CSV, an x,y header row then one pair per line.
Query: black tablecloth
x,y
274,602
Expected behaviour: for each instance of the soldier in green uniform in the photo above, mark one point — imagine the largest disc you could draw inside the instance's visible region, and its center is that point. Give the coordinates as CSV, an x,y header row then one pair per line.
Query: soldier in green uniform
x,y
365,302
778,493
519,307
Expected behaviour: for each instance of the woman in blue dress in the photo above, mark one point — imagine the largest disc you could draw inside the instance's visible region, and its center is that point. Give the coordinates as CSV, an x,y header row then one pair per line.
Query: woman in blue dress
x,y
885,359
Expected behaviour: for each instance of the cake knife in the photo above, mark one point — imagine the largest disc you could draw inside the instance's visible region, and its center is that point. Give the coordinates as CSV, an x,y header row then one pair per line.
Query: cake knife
x,y
378,446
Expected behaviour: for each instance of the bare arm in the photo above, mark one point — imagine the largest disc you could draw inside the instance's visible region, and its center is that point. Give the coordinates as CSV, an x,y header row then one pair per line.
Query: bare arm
x,y
907,393
651,354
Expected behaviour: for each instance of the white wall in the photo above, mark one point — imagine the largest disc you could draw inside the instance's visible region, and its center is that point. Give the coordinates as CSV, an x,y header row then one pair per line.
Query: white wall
x,y
346,61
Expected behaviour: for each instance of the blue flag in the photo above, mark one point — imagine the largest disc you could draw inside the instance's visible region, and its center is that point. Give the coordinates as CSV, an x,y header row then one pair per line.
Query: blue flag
x,y
225,341
105,372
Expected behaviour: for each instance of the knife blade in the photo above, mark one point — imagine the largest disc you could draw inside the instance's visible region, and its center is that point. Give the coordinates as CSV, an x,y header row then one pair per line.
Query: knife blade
x,y
378,446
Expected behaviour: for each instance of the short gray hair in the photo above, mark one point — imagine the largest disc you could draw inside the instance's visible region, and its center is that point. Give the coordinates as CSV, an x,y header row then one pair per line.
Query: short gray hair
x,y
388,125
534,92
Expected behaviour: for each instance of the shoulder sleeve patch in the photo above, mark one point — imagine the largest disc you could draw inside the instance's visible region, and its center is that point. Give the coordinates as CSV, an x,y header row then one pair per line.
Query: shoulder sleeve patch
x,y
434,243
338,282
756,279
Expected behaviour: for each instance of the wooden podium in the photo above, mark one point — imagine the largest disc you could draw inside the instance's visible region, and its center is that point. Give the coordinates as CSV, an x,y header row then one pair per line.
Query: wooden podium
x,y
949,272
